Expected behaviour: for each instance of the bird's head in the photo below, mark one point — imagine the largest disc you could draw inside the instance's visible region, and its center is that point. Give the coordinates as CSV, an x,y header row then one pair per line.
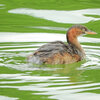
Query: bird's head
x,y
77,30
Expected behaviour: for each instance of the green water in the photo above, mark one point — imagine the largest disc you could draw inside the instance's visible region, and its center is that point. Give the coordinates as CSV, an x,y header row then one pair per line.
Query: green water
x,y
21,34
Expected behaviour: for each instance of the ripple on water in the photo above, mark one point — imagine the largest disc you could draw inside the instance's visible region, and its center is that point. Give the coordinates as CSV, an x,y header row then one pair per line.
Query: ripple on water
x,y
2,6
49,28
36,37
58,87
24,47
7,98
13,52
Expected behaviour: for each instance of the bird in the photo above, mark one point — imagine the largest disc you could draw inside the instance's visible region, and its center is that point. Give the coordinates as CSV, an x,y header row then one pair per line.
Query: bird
x,y
58,52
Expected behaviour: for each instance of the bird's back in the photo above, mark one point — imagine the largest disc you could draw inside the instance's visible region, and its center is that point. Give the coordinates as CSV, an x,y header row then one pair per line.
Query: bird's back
x,y
54,53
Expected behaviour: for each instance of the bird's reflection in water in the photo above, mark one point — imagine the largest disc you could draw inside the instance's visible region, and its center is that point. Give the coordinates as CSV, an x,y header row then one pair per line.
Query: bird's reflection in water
x,y
66,70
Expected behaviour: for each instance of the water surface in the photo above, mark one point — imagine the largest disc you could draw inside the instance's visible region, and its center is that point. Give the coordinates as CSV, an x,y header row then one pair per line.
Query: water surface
x,y
20,80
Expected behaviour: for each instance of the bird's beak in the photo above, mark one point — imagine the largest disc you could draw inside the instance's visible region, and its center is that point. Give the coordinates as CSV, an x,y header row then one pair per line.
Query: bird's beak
x,y
90,32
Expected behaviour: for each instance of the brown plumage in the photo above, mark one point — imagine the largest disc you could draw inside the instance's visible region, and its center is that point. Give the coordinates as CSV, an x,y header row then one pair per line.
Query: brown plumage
x,y
58,52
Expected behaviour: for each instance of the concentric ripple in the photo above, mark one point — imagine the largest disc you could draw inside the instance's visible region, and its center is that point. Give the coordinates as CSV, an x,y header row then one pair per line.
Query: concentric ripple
x,y
14,54
66,82
59,88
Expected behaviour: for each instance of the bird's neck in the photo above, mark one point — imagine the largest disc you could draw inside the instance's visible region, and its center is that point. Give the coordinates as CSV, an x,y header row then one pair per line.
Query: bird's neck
x,y
77,45
73,41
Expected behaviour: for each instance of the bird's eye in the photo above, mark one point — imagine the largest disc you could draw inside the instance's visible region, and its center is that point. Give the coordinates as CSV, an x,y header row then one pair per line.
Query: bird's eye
x,y
83,31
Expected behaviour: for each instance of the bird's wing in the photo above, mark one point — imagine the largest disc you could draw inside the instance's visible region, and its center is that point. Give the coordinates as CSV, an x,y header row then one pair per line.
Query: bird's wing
x,y
52,48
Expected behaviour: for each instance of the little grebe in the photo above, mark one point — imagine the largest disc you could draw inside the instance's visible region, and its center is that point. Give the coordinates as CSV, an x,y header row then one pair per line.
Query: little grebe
x,y
58,52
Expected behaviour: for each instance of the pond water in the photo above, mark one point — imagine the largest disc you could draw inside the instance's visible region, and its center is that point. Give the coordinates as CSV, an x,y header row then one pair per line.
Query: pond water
x,y
20,80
